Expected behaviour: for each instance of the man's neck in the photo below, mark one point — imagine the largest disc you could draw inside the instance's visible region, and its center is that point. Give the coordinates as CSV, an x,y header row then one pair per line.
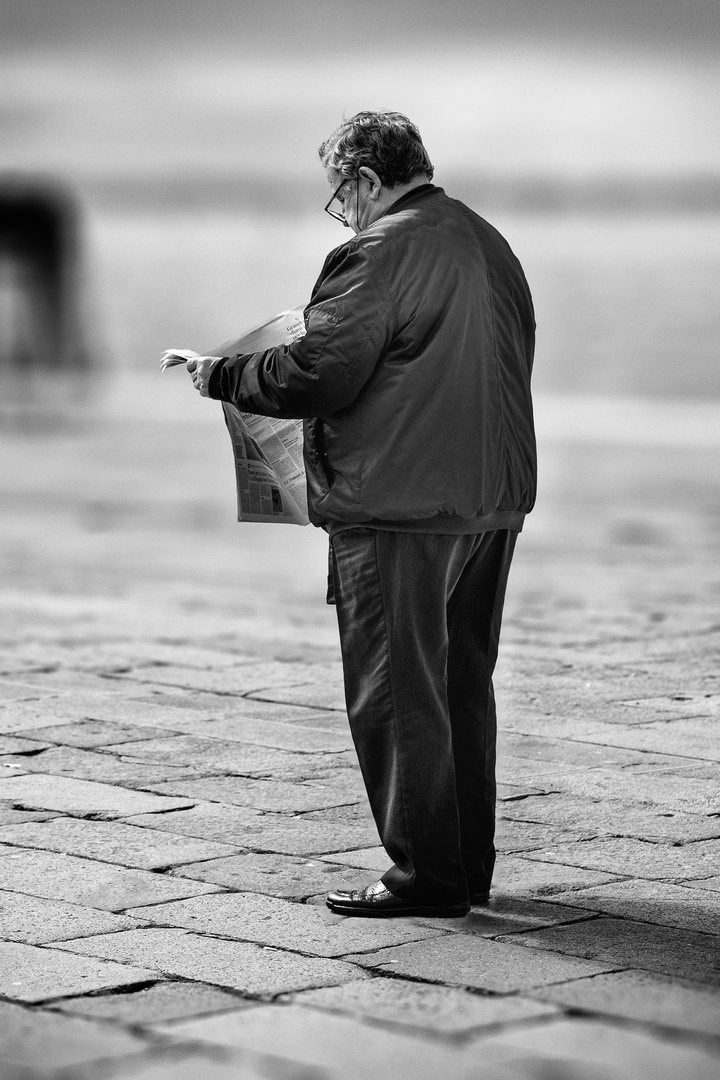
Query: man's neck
x,y
399,190
390,195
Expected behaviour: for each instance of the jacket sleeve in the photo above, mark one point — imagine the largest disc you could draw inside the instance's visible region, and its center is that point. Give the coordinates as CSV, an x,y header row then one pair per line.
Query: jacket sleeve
x,y
348,327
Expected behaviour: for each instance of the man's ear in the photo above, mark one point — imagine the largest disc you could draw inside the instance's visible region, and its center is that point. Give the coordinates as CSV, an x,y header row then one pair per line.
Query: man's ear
x,y
375,184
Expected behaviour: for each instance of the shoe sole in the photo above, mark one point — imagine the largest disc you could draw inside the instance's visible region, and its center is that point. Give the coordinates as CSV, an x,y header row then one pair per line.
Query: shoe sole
x,y
457,911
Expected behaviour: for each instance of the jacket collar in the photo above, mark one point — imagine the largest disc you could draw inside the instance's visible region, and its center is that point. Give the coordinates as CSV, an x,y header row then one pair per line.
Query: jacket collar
x,y
418,194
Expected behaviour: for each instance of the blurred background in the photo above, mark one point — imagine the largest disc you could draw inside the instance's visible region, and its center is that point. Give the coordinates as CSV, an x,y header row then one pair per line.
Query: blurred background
x,y
176,146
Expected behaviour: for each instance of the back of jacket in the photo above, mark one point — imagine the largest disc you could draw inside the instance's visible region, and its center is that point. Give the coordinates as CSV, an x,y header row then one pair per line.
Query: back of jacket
x,y
414,375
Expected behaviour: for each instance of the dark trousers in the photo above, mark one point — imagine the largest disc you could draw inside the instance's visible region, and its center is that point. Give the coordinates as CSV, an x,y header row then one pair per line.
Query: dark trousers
x,y
419,617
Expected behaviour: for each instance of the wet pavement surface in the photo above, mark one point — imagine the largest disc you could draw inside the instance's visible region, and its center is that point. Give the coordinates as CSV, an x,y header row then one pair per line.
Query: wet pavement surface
x,y
178,788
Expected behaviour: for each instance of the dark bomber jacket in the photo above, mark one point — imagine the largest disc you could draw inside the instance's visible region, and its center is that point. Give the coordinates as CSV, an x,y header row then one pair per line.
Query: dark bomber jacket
x,y
413,377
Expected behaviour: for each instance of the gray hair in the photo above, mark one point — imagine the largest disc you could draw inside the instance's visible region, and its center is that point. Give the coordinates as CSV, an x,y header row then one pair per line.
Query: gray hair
x,y
386,142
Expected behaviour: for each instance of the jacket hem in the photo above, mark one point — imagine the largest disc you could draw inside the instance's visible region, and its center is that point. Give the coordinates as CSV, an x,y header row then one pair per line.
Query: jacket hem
x,y
447,524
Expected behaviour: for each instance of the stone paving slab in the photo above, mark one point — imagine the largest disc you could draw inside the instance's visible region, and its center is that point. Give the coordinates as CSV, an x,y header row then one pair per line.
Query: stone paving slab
x,y
153,1004
571,713
614,818
318,695
711,883
187,710
708,770
609,699
180,654
371,858
65,680
525,875
38,973
658,788
36,1044
655,902
284,796
618,856
531,776
301,737
328,719
445,1009
92,884
146,710
678,705
34,920
543,750
622,638
28,716
127,653
21,717
241,966
226,721
339,782
694,736
583,722
335,1046
14,665
584,1049
273,734
673,765
356,813
669,672
275,875
10,816
499,967
621,943
597,663
14,690
7,851
106,767
511,792
214,1063
661,1000
70,796
183,712
268,920
516,837
11,767
114,842
242,680
595,718
219,755
654,767
246,828
12,744
88,733
509,915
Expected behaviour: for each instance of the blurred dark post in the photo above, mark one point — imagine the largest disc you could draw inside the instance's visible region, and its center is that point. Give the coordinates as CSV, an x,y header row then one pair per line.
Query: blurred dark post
x,y
41,307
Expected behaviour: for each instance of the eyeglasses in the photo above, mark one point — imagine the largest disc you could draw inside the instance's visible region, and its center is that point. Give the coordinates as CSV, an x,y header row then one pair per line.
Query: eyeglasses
x,y
339,215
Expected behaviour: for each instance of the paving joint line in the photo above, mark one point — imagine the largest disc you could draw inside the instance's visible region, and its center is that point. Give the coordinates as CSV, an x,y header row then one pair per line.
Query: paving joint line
x,y
247,694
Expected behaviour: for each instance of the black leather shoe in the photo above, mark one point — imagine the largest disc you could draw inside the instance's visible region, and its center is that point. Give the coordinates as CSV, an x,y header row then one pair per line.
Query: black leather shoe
x,y
377,902
480,897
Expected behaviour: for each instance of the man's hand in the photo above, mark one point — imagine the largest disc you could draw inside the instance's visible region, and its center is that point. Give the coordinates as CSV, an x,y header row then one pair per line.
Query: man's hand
x,y
199,368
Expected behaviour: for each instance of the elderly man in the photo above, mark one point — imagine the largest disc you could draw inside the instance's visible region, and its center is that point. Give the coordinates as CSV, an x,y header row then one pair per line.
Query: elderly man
x,y
414,382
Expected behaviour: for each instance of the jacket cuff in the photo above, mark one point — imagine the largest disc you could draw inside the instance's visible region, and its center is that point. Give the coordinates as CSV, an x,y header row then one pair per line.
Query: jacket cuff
x,y
215,380
226,376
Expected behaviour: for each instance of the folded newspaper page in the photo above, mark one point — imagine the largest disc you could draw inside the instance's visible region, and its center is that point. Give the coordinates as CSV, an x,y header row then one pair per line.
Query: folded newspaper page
x,y
269,470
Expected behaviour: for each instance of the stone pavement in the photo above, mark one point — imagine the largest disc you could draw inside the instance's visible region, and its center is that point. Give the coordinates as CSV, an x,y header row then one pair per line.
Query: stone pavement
x,y
178,788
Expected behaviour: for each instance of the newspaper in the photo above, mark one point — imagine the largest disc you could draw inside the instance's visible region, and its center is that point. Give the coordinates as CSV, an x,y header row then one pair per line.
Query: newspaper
x,y
268,453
